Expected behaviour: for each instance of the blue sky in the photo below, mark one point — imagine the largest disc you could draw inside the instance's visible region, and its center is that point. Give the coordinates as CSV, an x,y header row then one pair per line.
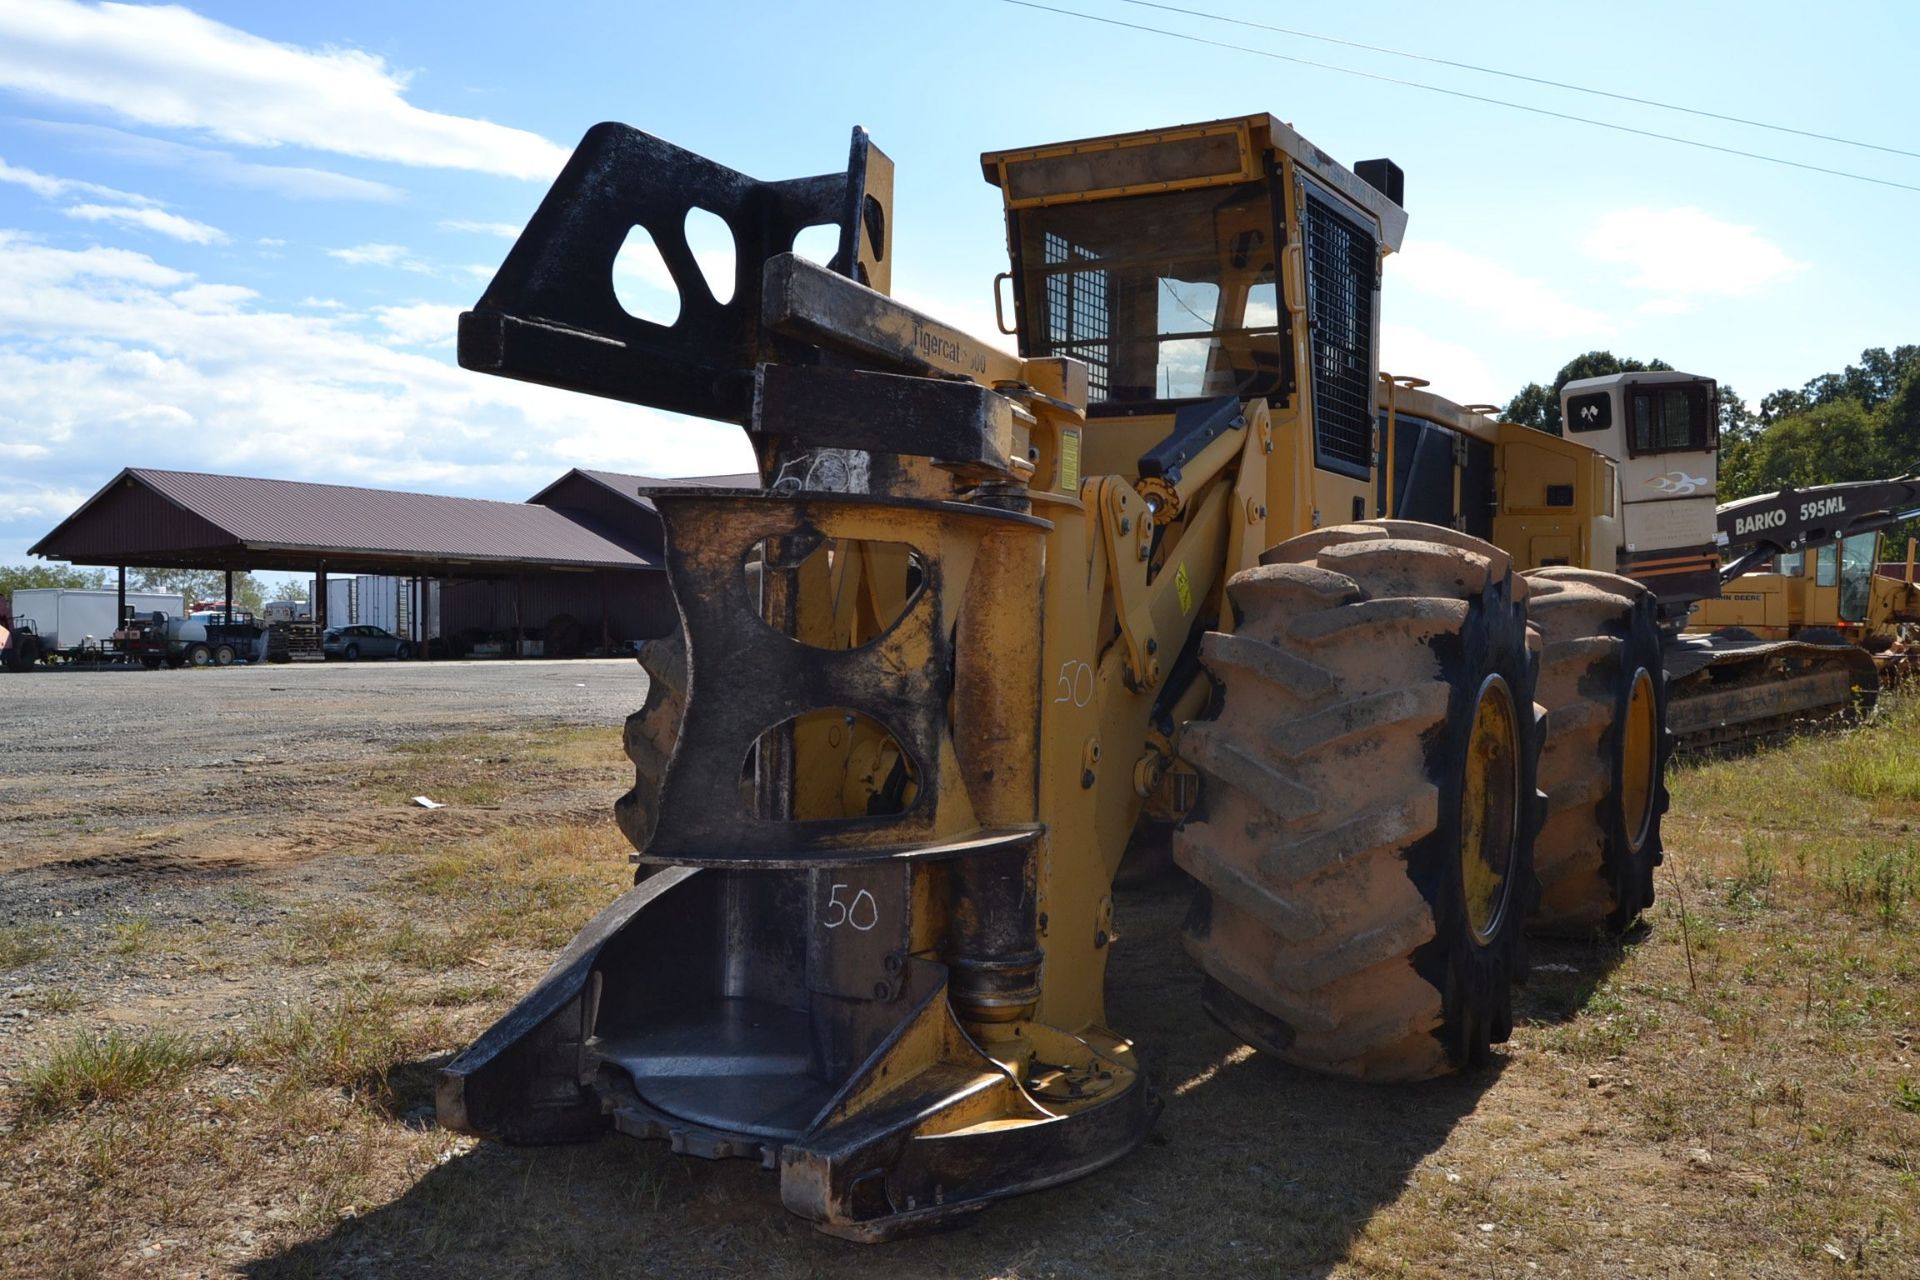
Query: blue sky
x,y
235,237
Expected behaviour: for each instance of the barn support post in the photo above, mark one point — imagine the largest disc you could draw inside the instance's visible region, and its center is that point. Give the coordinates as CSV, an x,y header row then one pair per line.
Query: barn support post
x,y
519,631
120,611
320,597
606,635
229,597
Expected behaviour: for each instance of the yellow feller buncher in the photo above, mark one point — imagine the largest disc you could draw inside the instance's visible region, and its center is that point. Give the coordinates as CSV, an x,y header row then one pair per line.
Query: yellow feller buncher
x,y
1188,558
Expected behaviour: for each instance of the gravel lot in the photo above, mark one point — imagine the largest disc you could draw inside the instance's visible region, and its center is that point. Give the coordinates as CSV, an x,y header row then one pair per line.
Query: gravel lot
x,y
136,722
240,797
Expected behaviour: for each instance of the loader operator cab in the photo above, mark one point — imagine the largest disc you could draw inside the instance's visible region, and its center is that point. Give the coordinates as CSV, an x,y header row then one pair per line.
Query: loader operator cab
x,y
1183,266
1828,584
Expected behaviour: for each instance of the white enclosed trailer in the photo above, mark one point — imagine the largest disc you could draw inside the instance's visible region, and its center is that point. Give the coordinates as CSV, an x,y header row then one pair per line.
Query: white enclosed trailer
x,y
70,621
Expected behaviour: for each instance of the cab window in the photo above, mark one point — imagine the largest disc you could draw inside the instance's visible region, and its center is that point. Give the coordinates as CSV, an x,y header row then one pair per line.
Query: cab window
x,y
1670,419
1826,567
1166,297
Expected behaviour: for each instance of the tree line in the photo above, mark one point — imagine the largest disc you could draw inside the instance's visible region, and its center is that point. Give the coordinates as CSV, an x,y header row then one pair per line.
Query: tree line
x,y
1862,423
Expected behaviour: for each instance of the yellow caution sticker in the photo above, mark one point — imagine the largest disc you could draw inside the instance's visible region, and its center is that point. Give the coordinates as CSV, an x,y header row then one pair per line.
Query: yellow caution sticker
x,y
1183,588
1070,461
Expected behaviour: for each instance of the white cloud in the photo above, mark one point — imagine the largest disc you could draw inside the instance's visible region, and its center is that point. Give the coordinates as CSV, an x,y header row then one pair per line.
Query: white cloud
x,y
170,67
379,255
214,298
111,358
207,164
48,187
31,264
505,230
1455,371
1517,301
422,324
1681,253
130,210
155,220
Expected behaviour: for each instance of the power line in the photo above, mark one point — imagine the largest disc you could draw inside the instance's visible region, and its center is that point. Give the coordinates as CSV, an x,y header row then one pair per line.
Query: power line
x,y
1517,75
1471,97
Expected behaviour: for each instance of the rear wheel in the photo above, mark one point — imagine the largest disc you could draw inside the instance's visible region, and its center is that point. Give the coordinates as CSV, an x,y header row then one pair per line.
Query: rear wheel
x,y
199,655
151,664
650,735
403,652
1604,766
353,653
223,656
1364,838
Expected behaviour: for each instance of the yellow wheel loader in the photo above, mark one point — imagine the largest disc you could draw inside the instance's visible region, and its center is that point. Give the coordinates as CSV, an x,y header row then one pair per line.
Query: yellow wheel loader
x,y
1188,558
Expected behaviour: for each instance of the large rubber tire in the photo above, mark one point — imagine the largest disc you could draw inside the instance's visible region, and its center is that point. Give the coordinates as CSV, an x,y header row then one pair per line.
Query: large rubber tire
x,y
223,656
650,735
352,653
1604,767
1333,917
199,655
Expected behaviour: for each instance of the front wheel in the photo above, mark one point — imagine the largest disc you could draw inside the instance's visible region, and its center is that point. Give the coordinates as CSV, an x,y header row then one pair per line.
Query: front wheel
x,y
151,664
199,655
1364,837
353,653
404,652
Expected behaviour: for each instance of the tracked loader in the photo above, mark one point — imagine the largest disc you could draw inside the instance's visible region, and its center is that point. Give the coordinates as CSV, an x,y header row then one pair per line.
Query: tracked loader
x,y
1187,558
1804,568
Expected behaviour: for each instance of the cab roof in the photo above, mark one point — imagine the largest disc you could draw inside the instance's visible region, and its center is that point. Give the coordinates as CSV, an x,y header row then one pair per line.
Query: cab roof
x,y
1178,158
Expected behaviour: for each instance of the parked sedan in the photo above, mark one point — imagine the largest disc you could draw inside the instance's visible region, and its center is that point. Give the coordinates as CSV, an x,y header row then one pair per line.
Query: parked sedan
x,y
355,643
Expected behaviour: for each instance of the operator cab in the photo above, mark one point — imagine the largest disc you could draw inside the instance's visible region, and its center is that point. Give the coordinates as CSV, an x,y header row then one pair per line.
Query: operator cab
x,y
1229,259
1661,430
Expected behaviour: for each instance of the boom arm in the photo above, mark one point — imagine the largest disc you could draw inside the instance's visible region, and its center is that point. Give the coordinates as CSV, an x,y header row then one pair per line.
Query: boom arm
x,y
1753,529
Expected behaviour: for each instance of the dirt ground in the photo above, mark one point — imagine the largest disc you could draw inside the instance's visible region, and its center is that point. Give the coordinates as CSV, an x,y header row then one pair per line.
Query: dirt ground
x,y
232,952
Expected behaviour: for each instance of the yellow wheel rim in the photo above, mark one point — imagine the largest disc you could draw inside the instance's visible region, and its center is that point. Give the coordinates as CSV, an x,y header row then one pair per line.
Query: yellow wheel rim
x,y
1639,757
1490,808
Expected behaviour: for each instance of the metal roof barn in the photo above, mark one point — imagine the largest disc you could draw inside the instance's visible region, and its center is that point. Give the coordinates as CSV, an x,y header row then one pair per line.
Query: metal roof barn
x,y
583,557
188,520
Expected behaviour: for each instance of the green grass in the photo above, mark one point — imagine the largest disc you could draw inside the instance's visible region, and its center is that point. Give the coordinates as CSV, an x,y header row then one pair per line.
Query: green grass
x,y
132,937
112,1067
321,934
1880,765
354,1043
22,945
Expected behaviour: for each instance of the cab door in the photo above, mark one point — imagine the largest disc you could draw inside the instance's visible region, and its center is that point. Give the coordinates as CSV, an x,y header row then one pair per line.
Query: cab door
x,y
1823,591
